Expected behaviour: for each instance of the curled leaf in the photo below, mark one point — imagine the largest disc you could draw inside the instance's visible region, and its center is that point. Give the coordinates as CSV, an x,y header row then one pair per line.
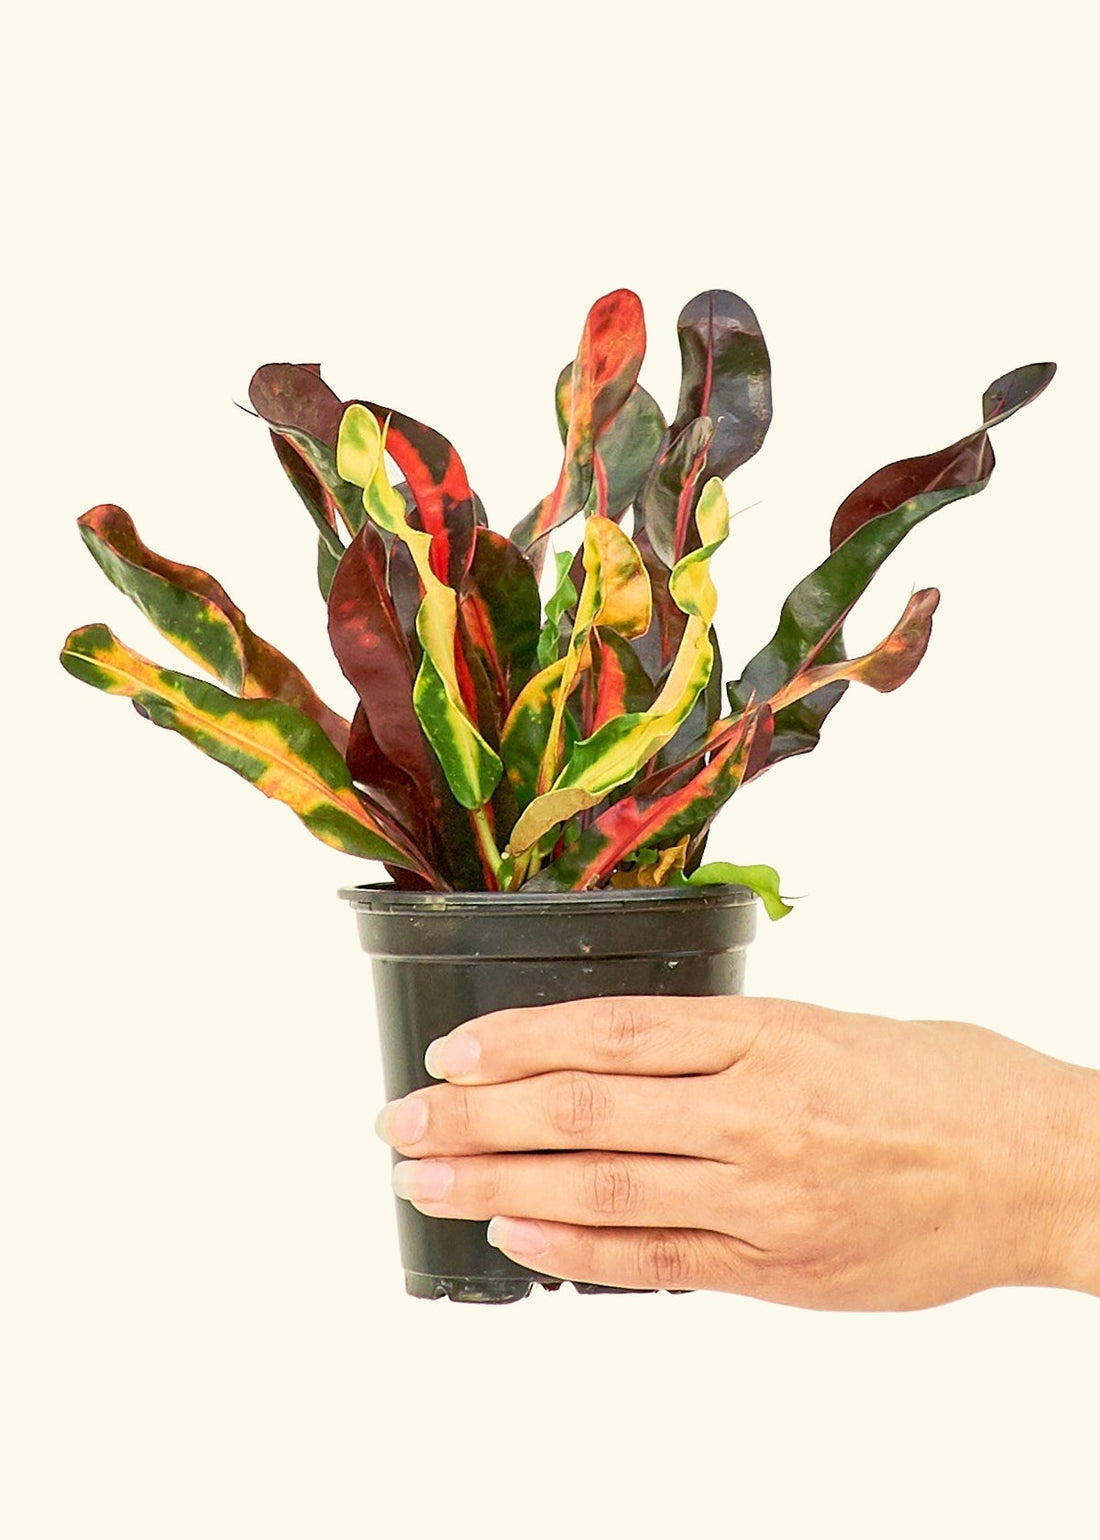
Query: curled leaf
x,y
869,525
303,414
885,668
604,373
965,465
655,868
763,880
195,613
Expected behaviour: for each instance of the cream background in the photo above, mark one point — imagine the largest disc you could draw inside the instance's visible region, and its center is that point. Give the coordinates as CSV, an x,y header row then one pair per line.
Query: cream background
x,y
204,1329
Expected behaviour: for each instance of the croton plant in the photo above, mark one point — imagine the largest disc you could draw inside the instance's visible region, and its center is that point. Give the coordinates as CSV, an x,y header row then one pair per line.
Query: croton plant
x,y
499,742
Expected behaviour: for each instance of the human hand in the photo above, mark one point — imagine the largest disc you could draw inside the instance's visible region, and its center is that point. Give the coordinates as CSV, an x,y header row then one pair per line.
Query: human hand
x,y
762,1147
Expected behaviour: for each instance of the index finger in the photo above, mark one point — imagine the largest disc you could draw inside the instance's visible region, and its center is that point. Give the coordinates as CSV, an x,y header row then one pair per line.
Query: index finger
x,y
626,1035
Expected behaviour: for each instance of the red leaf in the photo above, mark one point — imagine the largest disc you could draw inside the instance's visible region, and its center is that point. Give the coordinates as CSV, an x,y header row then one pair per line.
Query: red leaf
x,y
967,462
438,482
373,651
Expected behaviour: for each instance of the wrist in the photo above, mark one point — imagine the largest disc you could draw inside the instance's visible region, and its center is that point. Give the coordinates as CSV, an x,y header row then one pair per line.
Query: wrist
x,y
1071,1181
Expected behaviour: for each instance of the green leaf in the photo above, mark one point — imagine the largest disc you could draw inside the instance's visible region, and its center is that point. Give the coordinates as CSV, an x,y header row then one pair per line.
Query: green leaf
x,y
470,765
559,604
528,730
763,880
327,564
626,448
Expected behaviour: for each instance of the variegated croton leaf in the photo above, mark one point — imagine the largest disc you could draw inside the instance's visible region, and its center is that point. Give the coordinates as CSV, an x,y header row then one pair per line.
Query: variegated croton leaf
x,y
387,752
723,413
273,745
497,740
303,416
499,607
194,612
659,812
624,452
604,374
442,697
617,750
870,523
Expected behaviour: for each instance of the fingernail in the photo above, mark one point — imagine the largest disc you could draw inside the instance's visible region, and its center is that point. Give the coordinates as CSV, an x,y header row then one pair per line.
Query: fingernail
x,y
403,1122
455,1054
423,1180
521,1237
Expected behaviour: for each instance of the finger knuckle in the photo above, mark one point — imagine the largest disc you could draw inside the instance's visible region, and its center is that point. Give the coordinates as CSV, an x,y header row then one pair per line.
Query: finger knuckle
x,y
617,1032
775,1019
461,1109
667,1259
784,1029
488,1178
577,1104
611,1188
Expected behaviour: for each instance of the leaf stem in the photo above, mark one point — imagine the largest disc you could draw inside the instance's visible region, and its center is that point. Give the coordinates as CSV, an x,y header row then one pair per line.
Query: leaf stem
x,y
486,846
526,865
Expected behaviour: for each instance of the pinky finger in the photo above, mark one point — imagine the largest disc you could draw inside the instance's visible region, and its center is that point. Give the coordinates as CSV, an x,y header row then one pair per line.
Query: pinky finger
x,y
625,1258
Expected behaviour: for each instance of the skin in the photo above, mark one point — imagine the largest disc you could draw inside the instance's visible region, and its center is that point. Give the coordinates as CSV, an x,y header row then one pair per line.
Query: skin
x,y
762,1147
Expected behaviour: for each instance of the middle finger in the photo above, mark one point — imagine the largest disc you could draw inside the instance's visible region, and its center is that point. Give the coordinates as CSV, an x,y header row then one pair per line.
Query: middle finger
x,y
564,1110
597,1187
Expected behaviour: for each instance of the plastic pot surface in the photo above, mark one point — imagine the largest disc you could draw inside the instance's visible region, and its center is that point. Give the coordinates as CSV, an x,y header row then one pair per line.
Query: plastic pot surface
x,y
440,959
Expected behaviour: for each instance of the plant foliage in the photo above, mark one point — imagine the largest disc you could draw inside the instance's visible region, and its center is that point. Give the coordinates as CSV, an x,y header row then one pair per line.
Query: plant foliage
x,y
497,742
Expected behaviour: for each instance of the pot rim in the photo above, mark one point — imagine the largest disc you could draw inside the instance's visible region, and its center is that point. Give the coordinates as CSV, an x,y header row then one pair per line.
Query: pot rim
x,y
387,897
